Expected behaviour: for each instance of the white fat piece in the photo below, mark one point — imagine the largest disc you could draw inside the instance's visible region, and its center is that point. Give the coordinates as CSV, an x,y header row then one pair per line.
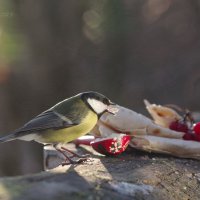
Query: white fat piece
x,y
97,106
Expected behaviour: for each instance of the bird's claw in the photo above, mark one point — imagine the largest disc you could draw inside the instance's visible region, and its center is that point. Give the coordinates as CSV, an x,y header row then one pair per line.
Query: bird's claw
x,y
81,160
80,156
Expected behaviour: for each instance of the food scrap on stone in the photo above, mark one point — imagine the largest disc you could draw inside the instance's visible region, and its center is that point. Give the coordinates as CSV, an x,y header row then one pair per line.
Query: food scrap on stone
x,y
167,132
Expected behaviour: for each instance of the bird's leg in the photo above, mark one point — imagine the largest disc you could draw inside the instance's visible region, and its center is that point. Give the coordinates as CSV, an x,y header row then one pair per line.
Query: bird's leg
x,y
75,154
67,158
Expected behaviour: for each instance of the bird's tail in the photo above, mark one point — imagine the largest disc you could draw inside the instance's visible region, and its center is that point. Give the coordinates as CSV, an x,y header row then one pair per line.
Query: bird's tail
x,y
7,138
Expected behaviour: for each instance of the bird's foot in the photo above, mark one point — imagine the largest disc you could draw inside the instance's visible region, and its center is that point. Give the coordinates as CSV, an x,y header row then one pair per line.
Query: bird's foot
x,y
69,161
75,154
85,156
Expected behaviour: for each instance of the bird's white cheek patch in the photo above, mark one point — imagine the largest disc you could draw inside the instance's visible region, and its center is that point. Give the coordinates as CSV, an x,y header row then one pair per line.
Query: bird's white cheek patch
x,y
97,106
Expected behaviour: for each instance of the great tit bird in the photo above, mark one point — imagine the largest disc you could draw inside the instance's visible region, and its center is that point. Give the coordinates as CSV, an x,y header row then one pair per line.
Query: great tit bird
x,y
65,122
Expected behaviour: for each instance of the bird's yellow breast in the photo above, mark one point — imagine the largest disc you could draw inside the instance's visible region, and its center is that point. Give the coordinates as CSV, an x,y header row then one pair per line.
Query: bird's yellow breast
x,y
68,134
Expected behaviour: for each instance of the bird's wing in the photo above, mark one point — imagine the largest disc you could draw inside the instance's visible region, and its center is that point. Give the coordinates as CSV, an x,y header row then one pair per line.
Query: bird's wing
x,y
47,120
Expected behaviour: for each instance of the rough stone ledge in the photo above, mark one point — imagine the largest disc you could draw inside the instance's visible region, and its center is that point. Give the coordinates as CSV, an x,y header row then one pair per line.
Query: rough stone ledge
x,y
132,175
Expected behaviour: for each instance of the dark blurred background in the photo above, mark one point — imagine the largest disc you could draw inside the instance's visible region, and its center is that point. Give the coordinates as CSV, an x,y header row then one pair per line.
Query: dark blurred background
x,y
126,49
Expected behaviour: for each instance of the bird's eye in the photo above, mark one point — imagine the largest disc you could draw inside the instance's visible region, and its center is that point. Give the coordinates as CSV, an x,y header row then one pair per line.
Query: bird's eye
x,y
105,101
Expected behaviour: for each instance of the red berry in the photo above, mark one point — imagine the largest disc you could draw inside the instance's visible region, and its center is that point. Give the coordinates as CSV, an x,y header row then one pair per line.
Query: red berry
x,y
179,126
196,128
197,137
189,136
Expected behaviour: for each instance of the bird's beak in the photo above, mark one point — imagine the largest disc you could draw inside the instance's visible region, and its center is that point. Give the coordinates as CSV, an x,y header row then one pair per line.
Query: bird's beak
x,y
112,109
111,103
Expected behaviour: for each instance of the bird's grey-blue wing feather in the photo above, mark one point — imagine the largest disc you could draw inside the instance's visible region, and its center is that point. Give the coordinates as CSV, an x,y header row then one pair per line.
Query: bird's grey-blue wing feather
x,y
47,120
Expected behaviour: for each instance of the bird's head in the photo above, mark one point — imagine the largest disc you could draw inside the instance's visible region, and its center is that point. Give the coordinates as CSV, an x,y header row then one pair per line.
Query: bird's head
x,y
98,103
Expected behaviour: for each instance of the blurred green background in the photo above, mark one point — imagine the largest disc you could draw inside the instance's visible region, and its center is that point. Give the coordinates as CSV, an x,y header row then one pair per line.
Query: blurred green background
x,y
126,49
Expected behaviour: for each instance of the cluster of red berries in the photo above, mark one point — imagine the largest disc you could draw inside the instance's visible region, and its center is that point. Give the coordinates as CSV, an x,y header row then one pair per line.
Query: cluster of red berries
x,y
192,132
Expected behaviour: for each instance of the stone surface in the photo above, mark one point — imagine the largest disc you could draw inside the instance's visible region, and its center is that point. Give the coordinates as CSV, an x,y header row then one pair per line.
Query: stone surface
x,y
132,175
